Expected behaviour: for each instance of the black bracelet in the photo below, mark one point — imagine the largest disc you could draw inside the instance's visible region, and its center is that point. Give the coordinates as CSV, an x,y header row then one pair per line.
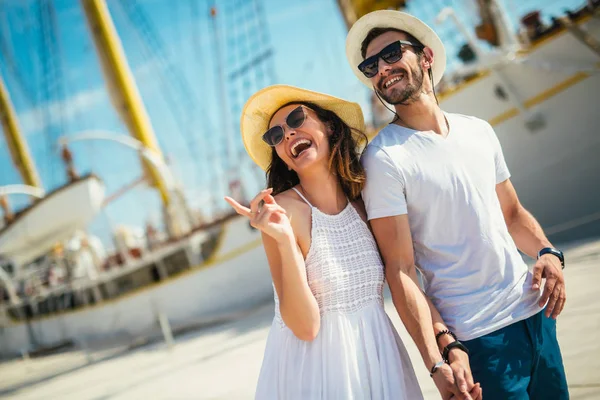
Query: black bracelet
x,y
453,345
444,332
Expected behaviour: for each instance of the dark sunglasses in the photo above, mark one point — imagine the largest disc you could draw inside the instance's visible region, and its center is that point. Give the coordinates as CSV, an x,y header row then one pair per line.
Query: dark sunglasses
x,y
294,120
392,53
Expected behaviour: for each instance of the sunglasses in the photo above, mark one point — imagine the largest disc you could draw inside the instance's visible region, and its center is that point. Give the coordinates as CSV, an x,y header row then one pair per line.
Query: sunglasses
x,y
392,53
294,120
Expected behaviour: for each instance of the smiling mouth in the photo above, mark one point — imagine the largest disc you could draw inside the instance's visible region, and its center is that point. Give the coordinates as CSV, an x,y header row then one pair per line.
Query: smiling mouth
x,y
299,147
392,81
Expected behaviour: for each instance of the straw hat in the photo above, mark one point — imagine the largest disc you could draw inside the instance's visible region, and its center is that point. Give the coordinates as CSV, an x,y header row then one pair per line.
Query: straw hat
x,y
259,110
397,20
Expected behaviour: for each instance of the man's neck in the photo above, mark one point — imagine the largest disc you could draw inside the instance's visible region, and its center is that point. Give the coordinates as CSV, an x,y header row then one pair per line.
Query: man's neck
x,y
422,114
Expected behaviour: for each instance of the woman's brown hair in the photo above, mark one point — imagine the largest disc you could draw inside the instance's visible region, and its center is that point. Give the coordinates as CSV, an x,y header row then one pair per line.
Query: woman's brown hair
x,y
344,160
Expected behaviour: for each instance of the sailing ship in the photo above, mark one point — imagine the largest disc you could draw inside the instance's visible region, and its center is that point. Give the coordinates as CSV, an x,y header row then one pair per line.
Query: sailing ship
x,y
538,87
181,277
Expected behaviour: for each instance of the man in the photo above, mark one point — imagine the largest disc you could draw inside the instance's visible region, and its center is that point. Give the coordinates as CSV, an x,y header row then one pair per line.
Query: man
x,y
439,198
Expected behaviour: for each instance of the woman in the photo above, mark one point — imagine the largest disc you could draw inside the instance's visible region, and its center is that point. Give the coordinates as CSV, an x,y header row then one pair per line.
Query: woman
x,y
330,338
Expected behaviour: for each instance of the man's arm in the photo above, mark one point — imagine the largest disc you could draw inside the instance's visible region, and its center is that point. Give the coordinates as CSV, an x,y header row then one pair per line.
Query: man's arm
x,y
419,316
530,239
522,226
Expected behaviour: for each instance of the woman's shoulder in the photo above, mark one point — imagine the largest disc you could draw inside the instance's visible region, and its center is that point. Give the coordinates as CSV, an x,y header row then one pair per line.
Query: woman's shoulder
x,y
300,215
291,202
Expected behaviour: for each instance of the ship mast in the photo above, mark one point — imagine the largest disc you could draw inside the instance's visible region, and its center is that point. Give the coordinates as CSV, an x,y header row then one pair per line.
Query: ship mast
x,y
352,10
18,147
496,27
122,88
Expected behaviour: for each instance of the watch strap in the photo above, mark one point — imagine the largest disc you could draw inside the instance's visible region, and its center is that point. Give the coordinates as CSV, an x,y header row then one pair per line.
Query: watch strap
x,y
557,253
453,345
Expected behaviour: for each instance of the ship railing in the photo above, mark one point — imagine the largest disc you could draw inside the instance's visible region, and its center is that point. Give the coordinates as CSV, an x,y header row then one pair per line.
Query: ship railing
x,y
84,287
515,53
493,62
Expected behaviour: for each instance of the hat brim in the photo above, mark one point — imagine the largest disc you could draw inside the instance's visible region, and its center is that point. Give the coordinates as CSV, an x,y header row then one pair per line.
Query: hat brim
x,y
397,20
259,109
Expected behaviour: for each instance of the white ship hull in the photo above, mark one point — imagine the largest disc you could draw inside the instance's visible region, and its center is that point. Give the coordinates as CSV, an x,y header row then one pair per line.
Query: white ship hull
x,y
52,219
234,279
555,168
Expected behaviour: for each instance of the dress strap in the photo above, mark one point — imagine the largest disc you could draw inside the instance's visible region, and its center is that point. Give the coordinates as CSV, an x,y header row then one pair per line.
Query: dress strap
x,y
302,197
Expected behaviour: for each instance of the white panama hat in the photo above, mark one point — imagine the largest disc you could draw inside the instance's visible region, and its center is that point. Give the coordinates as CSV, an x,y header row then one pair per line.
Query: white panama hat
x,y
397,20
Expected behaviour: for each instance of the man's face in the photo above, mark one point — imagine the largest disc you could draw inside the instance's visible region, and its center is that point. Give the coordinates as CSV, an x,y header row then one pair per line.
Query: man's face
x,y
398,82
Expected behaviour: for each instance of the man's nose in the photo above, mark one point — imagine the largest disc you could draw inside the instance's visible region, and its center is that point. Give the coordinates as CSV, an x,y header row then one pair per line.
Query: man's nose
x,y
383,66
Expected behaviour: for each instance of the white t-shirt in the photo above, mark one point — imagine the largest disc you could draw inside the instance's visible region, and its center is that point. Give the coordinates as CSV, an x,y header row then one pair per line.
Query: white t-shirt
x,y
472,270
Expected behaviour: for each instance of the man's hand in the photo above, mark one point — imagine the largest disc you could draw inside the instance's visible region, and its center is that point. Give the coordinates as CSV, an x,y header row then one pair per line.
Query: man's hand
x,y
444,379
476,393
548,266
463,378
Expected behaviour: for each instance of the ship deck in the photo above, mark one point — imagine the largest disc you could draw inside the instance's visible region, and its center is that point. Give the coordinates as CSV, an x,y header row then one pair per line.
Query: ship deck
x,y
223,362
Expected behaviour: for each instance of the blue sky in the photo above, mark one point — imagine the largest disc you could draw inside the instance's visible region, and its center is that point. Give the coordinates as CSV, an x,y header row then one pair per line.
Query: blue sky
x,y
177,78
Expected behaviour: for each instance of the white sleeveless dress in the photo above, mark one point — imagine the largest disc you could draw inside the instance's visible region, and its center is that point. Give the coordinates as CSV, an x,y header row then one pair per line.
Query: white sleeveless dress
x,y
357,353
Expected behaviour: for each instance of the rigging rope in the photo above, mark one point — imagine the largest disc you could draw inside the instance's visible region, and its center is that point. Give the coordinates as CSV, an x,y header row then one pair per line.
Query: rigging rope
x,y
211,158
253,68
176,89
53,79
11,63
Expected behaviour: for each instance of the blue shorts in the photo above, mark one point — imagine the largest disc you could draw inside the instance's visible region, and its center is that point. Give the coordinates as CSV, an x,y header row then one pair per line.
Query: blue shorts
x,y
520,361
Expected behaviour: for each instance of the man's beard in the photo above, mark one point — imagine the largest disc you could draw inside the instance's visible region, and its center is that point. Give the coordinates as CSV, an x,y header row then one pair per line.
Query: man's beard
x,y
410,90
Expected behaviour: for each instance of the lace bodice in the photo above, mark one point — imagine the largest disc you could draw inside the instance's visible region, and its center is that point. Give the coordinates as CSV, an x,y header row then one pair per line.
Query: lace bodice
x,y
343,266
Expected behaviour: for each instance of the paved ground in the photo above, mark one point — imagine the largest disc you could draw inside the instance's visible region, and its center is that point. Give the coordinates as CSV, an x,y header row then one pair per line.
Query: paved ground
x,y
223,362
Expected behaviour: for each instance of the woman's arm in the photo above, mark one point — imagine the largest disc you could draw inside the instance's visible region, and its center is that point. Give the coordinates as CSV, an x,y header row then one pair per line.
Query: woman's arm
x,y
297,305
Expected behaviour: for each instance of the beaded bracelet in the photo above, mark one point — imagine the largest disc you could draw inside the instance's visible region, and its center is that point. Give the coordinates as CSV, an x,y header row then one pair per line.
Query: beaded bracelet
x,y
444,332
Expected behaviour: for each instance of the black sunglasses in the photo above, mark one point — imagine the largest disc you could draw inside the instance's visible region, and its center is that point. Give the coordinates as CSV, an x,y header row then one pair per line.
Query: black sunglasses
x,y
391,54
294,120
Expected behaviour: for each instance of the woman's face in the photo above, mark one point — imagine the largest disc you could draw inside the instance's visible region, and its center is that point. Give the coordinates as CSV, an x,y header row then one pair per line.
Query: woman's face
x,y
304,146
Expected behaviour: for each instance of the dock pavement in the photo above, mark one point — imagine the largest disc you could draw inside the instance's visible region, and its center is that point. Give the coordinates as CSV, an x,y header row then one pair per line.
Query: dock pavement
x,y
223,362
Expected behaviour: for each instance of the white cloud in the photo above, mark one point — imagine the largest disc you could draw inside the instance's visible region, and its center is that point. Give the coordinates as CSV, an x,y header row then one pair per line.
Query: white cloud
x,y
32,121
149,71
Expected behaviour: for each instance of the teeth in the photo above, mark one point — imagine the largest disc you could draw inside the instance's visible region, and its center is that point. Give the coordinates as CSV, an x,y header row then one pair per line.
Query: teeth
x,y
296,144
392,81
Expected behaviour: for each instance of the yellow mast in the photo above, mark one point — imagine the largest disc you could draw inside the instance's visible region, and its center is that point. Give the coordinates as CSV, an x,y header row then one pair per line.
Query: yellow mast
x,y
352,10
17,146
123,90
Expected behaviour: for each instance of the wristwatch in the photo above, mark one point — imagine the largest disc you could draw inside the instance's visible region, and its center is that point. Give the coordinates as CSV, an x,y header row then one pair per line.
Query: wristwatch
x,y
554,252
454,345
